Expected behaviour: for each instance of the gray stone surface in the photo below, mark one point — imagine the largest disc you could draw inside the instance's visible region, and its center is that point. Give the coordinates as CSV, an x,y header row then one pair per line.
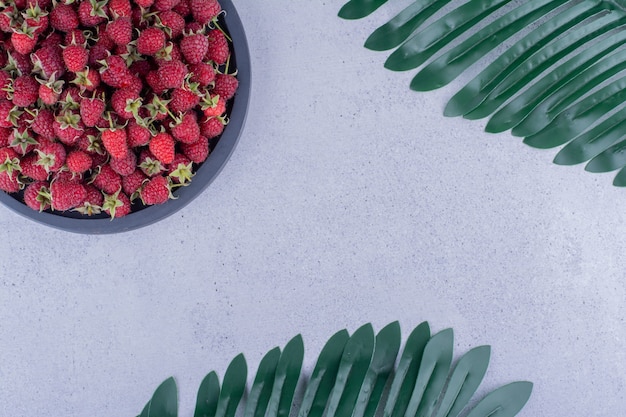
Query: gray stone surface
x,y
349,199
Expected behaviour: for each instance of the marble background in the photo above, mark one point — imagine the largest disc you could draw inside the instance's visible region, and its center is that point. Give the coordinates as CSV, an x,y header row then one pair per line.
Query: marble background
x,y
349,199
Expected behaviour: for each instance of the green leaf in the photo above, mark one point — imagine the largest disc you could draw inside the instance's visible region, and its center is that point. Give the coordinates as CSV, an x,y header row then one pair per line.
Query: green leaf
x,y
446,68
356,9
511,114
398,29
593,141
520,63
609,160
466,377
386,349
620,178
146,410
323,376
422,45
233,387
506,401
208,396
579,116
432,375
406,372
164,402
286,379
261,391
354,364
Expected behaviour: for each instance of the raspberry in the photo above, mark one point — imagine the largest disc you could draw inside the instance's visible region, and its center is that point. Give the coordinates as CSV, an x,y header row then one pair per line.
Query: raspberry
x,y
198,151
37,195
63,18
156,191
150,41
218,50
172,74
225,85
162,147
66,195
204,11
194,48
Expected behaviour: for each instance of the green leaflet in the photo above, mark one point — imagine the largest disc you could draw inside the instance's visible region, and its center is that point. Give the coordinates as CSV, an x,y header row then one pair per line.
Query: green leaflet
x,y
515,111
286,379
261,390
386,349
233,387
503,77
421,46
549,86
356,9
432,374
323,376
446,68
208,396
354,364
406,372
506,401
350,377
398,29
467,376
164,402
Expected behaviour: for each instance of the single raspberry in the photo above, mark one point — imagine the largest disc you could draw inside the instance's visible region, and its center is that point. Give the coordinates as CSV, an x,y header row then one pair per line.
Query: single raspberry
x,y
8,17
37,195
22,141
124,166
75,57
138,135
19,62
156,191
204,11
31,169
183,100
25,91
202,73
36,16
183,8
172,23
24,39
132,182
107,180
43,123
172,74
78,162
225,85
87,79
213,105
120,31
218,50
120,8
163,5
91,109
63,17
50,91
68,127
115,141
92,204
51,156
198,151
117,204
66,195
212,127
194,47
92,12
162,147
10,182
150,41
9,114
186,129
48,60
140,68
126,103
180,170
149,164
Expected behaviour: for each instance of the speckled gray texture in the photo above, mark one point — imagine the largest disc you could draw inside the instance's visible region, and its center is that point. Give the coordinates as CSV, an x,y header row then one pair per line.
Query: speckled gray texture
x,y
349,199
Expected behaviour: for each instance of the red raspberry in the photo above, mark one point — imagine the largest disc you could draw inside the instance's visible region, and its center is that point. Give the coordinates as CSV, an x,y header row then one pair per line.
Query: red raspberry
x,y
107,180
51,156
92,12
187,130
91,109
66,195
194,47
173,23
162,147
37,195
198,151
150,41
92,204
48,60
124,166
114,140
202,73
163,5
78,162
43,124
218,50
116,204
212,127
31,169
120,8
172,74
204,11
156,191
63,17
25,91
120,31
125,102
183,100
225,85
132,182
137,135
180,170
75,57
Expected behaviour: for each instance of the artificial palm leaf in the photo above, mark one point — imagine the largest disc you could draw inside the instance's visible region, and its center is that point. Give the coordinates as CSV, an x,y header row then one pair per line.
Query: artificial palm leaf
x,y
349,380
563,82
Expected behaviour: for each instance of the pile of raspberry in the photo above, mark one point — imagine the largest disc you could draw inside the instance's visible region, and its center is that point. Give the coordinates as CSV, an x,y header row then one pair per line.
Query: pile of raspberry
x,y
109,105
